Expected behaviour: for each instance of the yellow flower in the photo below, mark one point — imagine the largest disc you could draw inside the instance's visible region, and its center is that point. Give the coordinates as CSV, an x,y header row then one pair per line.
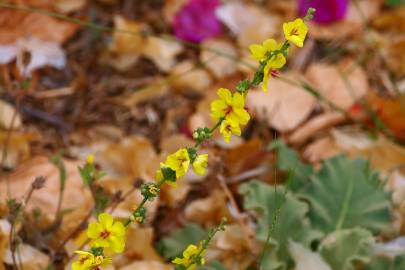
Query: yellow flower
x,y
230,107
87,261
228,128
107,233
90,159
276,62
295,32
178,162
188,256
200,164
259,52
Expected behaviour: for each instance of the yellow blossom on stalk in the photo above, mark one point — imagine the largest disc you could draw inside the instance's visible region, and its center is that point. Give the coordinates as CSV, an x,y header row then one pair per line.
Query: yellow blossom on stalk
x,y
90,159
200,164
178,162
276,62
295,32
87,261
228,128
107,233
259,52
229,107
189,254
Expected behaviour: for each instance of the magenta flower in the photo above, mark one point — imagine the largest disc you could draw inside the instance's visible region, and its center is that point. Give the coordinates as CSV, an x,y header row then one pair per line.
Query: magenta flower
x,y
197,21
327,11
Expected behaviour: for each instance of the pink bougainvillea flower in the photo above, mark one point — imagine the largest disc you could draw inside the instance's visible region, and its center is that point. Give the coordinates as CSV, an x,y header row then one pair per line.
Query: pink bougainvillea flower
x,y
197,21
327,11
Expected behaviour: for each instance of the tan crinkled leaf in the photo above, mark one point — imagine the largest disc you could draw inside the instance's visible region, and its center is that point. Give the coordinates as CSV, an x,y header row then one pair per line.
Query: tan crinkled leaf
x,y
18,147
47,198
162,52
139,244
283,107
5,228
7,113
221,66
329,81
147,265
208,211
29,257
186,76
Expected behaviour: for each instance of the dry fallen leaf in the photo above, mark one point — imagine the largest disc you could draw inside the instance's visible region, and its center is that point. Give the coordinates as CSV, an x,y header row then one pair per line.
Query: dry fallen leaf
x,y
47,198
140,244
147,265
17,150
162,52
18,24
352,25
219,65
208,211
7,113
243,20
5,228
335,88
67,6
321,149
315,125
283,107
186,75
29,257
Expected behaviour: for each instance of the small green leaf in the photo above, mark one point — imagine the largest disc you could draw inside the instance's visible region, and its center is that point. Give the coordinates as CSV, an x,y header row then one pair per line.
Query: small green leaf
x,y
243,86
346,249
58,162
174,244
345,194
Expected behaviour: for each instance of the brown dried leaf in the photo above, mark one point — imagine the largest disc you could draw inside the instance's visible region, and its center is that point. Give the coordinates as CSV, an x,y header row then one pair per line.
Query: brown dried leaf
x,y
329,81
17,150
47,198
315,125
321,149
18,24
7,113
29,257
147,265
208,211
186,76
139,244
284,106
162,52
5,228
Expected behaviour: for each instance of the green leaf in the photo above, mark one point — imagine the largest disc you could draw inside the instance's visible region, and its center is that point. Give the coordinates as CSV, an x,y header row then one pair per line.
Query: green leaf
x,y
346,249
58,162
346,194
394,3
174,244
291,220
289,161
384,263
243,86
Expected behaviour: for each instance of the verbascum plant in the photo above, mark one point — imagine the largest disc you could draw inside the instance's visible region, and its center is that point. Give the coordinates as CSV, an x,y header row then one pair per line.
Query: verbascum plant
x,y
229,114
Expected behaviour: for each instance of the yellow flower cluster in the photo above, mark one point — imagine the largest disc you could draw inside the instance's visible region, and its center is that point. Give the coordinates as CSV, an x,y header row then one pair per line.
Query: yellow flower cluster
x,y
273,53
106,233
230,110
192,257
179,162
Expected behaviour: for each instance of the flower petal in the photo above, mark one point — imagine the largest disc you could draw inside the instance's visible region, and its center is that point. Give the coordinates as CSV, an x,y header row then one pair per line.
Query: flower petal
x,y
106,220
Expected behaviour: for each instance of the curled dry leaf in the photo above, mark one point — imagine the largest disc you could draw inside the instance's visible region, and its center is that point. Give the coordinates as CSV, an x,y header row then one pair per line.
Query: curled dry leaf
x,y
67,6
170,9
231,248
140,244
47,198
208,211
358,13
316,125
283,107
29,257
221,66
5,228
147,265
17,24
322,148
162,52
186,75
243,20
17,149
345,83
7,113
